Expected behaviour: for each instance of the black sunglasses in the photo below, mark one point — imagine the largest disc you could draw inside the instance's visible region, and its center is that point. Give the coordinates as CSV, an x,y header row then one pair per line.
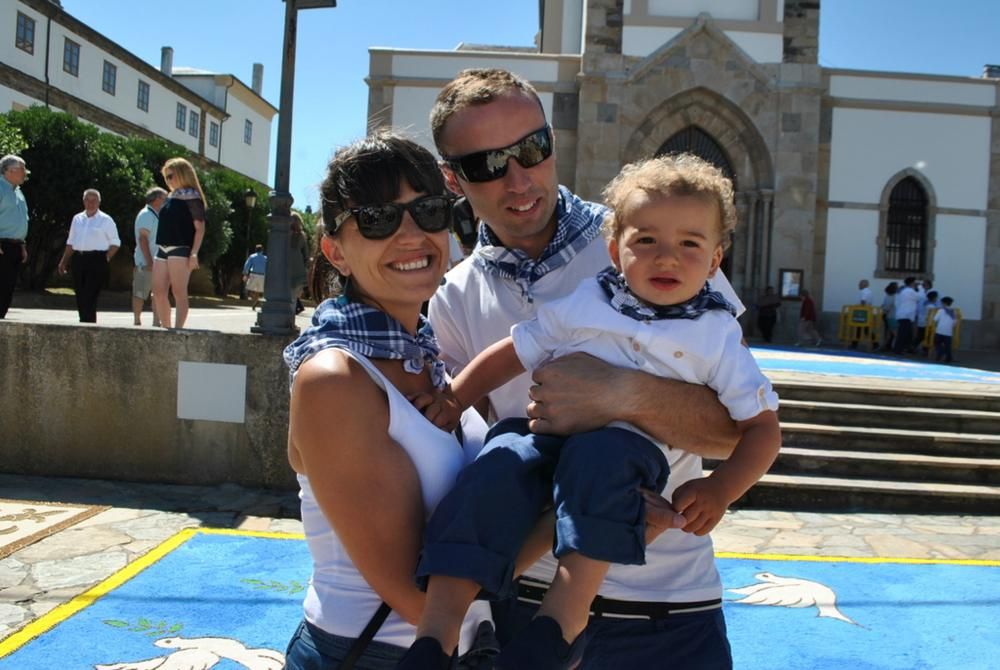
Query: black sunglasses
x,y
432,214
491,164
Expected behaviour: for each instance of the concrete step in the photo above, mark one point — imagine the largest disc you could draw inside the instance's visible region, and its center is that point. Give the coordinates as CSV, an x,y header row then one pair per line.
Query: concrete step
x,y
896,395
887,466
832,494
896,440
884,416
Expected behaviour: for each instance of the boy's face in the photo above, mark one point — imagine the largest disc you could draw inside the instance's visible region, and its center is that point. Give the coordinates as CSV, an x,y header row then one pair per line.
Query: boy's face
x,y
668,247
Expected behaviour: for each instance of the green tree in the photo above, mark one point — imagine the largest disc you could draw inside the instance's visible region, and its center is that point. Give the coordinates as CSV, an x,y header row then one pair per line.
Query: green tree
x,y
11,139
243,227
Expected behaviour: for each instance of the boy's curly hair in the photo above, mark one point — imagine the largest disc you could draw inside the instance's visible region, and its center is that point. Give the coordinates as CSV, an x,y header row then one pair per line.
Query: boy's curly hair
x,y
672,175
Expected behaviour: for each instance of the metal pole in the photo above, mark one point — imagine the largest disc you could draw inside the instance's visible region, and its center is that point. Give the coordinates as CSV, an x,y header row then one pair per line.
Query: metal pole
x,y
277,316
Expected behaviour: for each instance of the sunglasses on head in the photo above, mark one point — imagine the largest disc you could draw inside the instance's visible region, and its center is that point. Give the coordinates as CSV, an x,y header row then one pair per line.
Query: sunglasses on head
x,y
431,213
491,164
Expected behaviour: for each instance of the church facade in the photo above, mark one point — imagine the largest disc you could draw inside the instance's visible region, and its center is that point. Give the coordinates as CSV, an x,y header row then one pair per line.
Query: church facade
x,y
840,175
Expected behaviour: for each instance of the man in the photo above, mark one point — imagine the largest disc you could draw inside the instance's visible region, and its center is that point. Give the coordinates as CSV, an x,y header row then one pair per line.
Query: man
x,y
92,243
13,227
253,275
907,301
538,242
146,222
864,293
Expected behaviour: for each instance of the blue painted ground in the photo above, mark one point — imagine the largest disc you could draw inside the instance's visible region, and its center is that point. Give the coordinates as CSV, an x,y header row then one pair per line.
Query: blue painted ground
x,y
874,616
854,364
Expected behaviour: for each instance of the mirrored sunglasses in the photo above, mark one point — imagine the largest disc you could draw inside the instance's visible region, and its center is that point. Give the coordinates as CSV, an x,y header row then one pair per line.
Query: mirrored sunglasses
x,y
431,213
491,164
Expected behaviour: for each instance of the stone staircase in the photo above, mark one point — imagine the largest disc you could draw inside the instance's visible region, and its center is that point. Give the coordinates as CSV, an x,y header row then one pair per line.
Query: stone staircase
x,y
877,449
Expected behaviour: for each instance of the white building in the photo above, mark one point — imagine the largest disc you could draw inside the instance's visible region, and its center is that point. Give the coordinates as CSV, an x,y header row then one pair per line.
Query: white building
x,y
49,58
840,174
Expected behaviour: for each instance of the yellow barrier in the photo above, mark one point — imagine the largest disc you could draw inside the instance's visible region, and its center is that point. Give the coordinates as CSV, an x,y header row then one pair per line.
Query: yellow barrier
x,y
928,342
860,323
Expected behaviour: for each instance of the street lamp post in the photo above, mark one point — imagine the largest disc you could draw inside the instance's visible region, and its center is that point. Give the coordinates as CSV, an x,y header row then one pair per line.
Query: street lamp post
x,y
277,316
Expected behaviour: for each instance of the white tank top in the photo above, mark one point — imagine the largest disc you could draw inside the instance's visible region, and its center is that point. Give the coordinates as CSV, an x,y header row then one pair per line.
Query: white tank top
x,y
339,600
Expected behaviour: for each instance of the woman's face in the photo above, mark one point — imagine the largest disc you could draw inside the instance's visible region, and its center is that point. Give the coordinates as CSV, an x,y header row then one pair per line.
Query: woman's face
x,y
401,271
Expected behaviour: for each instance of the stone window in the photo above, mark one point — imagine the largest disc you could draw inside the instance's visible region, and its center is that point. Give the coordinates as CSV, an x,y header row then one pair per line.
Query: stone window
x,y
71,57
906,228
142,97
213,133
182,115
248,132
110,78
25,38
193,124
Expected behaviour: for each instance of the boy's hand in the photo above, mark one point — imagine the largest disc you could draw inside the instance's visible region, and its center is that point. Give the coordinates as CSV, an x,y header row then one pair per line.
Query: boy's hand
x,y
439,407
702,502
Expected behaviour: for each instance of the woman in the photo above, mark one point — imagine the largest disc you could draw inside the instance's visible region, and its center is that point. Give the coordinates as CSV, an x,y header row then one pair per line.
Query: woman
x,y
178,236
371,467
298,260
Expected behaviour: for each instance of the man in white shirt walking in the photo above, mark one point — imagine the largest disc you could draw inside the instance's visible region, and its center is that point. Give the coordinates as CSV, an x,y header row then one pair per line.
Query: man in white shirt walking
x,y
906,314
92,243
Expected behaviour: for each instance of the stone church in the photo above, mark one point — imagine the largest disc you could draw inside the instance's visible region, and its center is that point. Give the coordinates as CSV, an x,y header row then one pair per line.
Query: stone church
x,y
840,175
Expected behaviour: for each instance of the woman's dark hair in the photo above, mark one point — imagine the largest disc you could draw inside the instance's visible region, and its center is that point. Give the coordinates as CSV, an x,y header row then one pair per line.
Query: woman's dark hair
x,y
366,172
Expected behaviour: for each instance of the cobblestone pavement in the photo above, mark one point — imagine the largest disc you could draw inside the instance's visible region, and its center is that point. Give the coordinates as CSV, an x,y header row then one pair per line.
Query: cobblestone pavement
x,y
57,568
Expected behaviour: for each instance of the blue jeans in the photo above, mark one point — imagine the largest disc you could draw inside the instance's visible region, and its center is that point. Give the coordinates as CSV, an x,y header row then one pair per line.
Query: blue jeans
x,y
312,648
695,641
593,480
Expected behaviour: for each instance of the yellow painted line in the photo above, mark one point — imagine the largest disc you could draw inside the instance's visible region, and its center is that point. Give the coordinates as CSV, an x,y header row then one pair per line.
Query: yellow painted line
x,y
860,559
59,614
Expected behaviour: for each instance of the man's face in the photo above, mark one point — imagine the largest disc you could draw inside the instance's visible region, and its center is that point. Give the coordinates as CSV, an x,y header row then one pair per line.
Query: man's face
x,y
158,203
519,206
90,203
15,174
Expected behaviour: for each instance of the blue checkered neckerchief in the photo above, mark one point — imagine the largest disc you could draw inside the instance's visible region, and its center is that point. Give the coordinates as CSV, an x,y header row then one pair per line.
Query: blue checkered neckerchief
x,y
578,222
629,304
368,332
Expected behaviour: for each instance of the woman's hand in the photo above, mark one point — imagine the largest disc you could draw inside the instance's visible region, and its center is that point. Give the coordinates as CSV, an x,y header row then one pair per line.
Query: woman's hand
x,y
193,261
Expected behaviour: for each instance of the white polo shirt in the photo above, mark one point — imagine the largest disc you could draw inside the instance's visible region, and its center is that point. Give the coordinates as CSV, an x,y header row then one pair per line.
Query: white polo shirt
x,y
93,233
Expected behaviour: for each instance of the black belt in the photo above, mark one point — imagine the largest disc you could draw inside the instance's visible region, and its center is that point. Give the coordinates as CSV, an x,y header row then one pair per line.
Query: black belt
x,y
603,607
11,240
93,251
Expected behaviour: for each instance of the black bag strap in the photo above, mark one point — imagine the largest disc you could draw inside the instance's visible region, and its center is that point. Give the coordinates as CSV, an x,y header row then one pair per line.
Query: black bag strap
x,y
361,643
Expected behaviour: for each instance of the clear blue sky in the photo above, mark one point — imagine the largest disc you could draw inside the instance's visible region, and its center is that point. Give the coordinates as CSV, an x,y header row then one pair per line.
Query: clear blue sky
x,y
926,36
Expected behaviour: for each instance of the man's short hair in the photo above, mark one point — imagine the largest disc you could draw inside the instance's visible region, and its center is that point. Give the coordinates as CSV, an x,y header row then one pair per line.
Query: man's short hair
x,y
154,194
472,87
9,161
671,176
92,191
259,248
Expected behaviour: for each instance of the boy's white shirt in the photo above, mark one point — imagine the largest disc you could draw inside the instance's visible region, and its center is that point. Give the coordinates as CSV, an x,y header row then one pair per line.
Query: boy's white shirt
x,y
680,566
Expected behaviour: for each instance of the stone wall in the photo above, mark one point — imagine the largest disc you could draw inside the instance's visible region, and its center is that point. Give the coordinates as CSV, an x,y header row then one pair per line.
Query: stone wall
x,y
102,403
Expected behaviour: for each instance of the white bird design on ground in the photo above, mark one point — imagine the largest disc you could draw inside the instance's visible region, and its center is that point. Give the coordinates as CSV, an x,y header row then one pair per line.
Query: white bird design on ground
x,y
791,592
203,653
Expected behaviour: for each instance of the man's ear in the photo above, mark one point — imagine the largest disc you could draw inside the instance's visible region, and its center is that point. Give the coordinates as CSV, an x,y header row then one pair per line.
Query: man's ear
x,y
451,180
334,254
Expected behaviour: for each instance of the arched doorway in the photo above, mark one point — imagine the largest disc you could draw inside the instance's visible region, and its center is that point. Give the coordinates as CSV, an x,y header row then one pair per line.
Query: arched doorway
x,y
713,127
694,140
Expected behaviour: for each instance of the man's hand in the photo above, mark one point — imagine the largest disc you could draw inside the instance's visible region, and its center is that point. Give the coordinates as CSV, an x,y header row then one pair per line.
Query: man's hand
x,y
439,407
702,503
571,395
660,516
